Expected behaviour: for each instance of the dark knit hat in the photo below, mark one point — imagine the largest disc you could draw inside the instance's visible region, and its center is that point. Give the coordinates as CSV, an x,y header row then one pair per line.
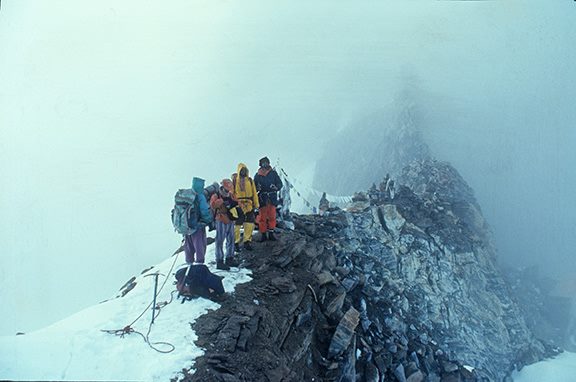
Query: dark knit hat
x,y
263,161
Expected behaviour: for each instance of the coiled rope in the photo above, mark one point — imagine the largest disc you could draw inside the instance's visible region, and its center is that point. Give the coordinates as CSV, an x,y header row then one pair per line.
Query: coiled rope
x,y
128,329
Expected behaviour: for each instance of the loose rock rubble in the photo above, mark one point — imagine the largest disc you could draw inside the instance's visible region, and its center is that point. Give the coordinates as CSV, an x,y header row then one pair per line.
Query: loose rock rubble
x,y
397,290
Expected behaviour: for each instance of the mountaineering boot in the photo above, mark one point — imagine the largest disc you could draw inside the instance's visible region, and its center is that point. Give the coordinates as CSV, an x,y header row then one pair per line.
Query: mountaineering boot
x,y
248,245
263,237
231,262
237,247
220,265
271,236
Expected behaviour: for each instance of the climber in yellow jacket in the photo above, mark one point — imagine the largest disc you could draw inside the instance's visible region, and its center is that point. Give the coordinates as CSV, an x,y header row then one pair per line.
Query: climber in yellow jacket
x,y
247,197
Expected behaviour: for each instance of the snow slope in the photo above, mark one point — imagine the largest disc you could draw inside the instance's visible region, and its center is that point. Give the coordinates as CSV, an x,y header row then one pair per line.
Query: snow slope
x,y
559,369
76,348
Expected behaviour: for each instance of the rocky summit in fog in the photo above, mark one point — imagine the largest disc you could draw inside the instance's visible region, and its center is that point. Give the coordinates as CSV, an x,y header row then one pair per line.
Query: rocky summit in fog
x,y
392,289
381,143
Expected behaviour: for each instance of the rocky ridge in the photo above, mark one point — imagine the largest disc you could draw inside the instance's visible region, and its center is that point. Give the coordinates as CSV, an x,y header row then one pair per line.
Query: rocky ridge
x,y
391,290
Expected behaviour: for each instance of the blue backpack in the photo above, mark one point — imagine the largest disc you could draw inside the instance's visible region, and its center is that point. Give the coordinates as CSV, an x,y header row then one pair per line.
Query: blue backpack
x,y
185,213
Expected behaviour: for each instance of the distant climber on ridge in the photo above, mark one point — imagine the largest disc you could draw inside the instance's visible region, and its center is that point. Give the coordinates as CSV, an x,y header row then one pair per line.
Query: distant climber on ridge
x,y
268,183
387,188
323,205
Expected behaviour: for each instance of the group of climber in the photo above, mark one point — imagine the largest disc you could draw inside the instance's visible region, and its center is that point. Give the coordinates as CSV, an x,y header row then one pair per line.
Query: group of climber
x,y
240,202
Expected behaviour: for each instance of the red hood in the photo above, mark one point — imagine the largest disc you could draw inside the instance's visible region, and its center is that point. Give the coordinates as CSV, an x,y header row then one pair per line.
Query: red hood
x,y
264,171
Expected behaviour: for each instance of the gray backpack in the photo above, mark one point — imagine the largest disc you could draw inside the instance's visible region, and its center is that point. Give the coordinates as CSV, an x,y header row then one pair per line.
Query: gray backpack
x,y
185,212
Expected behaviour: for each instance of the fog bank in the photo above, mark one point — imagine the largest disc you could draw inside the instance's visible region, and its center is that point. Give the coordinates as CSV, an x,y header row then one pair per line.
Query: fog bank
x,y
106,109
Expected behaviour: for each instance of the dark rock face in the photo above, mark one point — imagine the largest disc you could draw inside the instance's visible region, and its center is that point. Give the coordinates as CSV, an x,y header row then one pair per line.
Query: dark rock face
x,y
445,199
402,291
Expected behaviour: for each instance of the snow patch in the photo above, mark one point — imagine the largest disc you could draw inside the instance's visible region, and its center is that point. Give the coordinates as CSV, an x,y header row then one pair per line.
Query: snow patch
x,y
559,369
76,348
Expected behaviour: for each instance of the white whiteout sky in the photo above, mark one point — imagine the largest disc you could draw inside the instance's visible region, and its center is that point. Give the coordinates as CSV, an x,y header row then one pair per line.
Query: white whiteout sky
x,y
107,107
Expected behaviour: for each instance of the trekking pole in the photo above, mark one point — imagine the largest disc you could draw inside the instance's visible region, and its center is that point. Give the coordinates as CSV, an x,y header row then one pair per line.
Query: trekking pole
x,y
155,292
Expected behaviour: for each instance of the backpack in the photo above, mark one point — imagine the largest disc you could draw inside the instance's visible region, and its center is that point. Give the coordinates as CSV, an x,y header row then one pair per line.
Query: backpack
x,y
211,190
197,281
185,213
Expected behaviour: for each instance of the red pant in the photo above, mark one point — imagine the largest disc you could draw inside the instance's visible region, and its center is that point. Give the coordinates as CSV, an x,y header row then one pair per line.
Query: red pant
x,y
267,218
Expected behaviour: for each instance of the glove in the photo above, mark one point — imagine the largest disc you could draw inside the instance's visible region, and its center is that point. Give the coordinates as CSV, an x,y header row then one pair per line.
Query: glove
x,y
273,187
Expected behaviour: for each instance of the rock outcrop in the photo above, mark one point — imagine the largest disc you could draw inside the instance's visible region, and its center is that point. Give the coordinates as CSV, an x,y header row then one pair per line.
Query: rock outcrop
x,y
398,290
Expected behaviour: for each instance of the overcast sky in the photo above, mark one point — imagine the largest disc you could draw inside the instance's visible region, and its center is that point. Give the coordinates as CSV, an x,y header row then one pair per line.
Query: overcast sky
x,y
107,107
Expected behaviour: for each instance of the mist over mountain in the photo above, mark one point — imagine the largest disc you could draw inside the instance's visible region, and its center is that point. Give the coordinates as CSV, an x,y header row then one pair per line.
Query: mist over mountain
x,y
106,108
521,187
378,144
398,286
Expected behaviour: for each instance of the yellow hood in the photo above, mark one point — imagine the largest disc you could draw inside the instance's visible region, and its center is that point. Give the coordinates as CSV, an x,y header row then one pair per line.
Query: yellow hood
x,y
240,167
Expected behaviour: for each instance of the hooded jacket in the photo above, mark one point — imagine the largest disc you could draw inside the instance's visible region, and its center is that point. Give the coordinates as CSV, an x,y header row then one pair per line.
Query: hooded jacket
x,y
204,215
245,190
268,183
